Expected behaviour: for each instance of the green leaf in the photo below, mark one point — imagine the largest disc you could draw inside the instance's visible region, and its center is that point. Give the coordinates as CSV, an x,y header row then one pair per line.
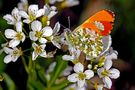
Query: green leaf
x,y
9,82
60,66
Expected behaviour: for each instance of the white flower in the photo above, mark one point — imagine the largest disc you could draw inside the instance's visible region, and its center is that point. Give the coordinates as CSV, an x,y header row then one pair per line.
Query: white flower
x,y
106,73
13,54
49,12
54,1
55,38
33,13
23,5
79,76
74,87
38,33
16,36
38,51
14,17
70,3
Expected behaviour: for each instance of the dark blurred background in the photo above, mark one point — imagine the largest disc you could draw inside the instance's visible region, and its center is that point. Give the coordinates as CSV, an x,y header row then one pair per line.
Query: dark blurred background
x,y
123,36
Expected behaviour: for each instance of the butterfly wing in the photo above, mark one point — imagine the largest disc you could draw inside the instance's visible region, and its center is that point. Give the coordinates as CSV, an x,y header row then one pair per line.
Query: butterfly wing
x,y
101,22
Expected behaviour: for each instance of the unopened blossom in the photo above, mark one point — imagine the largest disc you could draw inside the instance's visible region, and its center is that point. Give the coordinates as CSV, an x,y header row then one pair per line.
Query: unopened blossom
x,y
106,73
38,51
16,36
39,33
80,75
23,5
70,3
13,54
33,13
14,17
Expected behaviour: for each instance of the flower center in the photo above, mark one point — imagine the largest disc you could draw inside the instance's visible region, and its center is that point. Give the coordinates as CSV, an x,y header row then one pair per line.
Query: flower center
x,y
38,49
32,17
17,52
38,34
81,76
19,36
105,73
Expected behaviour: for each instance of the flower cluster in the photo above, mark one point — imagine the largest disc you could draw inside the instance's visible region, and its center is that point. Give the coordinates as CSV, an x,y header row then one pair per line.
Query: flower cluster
x,y
93,52
90,53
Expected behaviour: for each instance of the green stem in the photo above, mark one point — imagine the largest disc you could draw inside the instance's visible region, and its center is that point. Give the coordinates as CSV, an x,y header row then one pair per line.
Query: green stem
x,y
3,36
27,50
25,65
25,32
56,74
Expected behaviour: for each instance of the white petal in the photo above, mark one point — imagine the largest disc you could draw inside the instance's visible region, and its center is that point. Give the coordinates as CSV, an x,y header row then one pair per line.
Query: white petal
x,y
8,50
43,54
32,36
15,58
112,56
51,14
33,9
19,26
56,28
8,58
34,45
42,40
13,43
34,55
78,67
67,57
107,81
26,21
47,31
73,77
108,64
15,13
40,13
43,46
36,25
23,35
114,73
55,43
99,71
52,1
10,19
89,74
81,83
9,33
23,14
70,3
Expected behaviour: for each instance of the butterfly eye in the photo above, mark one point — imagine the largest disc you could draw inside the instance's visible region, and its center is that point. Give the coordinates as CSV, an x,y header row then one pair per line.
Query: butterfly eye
x,y
99,25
